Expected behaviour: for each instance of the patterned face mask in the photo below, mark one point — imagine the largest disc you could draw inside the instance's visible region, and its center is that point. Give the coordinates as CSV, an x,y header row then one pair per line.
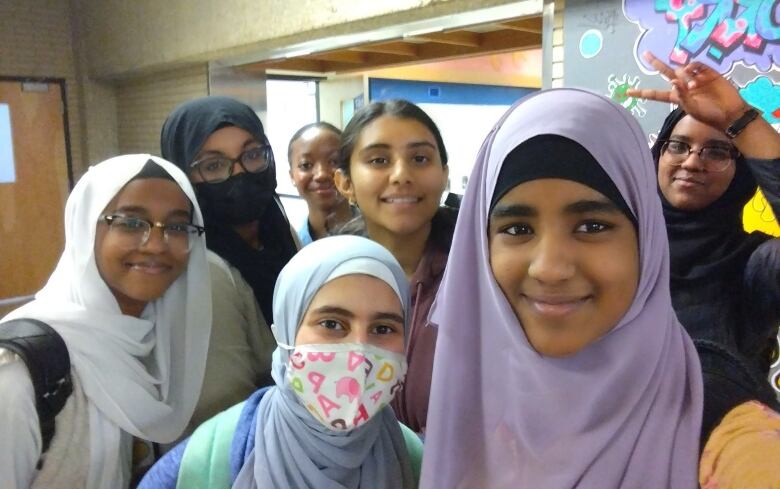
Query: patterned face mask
x,y
344,385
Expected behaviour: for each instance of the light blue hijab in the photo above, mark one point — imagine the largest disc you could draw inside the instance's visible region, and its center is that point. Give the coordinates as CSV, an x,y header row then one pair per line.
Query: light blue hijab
x,y
292,449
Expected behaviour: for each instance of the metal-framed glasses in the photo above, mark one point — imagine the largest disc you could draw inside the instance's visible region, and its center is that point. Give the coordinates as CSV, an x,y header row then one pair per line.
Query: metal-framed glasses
x,y
715,158
134,232
218,168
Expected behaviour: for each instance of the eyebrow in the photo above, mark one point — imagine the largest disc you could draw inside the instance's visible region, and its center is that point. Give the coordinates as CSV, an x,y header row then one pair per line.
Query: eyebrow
x,y
709,142
412,145
391,316
137,209
215,152
578,207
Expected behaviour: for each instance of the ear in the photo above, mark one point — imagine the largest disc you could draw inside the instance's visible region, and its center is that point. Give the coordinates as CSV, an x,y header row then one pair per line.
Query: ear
x,y
344,185
445,178
292,180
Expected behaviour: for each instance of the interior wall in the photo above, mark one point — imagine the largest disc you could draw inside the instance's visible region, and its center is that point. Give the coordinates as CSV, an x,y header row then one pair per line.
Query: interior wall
x,y
517,69
333,92
128,38
144,104
36,41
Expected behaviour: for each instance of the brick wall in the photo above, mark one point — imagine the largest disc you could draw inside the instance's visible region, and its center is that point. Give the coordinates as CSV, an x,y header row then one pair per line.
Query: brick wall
x,y
144,103
557,42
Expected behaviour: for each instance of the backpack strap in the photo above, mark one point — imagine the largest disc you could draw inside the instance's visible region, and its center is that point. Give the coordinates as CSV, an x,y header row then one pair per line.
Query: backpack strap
x,y
44,352
205,463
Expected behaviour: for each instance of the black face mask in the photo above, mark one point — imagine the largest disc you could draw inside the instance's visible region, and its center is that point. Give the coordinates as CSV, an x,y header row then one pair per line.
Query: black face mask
x,y
240,199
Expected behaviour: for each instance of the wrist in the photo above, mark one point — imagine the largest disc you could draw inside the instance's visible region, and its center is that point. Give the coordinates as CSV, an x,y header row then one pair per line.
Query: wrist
x,y
739,119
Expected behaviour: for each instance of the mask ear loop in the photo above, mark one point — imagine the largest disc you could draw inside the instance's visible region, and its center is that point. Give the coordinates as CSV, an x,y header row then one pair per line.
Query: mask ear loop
x,y
283,346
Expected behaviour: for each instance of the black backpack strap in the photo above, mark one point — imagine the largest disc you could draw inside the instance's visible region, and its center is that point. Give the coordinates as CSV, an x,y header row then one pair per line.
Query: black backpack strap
x,y
44,352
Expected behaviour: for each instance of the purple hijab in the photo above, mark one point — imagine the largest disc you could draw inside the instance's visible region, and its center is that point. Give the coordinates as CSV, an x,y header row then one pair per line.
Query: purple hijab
x,y
624,412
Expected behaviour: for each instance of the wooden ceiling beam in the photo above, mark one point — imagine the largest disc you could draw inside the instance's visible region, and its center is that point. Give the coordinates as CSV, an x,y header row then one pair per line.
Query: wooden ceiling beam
x,y
339,57
395,47
533,25
455,38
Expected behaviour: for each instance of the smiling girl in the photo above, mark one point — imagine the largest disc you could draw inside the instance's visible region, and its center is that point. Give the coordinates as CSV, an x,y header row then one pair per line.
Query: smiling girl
x,y
127,298
394,169
560,363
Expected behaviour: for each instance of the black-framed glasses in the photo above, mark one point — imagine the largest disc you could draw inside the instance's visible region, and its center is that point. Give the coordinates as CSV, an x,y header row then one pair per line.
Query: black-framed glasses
x,y
218,168
134,232
715,158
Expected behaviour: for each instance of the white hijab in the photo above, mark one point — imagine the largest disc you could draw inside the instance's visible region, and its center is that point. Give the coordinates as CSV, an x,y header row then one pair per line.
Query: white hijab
x,y
140,375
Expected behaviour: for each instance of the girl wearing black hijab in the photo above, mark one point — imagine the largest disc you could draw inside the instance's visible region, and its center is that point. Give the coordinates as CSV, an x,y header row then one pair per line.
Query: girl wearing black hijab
x,y
220,144
712,153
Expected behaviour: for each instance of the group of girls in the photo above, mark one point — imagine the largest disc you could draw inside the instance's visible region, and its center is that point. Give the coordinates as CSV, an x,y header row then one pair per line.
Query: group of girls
x,y
535,343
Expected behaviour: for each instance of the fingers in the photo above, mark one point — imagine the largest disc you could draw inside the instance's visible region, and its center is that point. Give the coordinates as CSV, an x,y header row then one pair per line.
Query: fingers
x,y
652,94
659,65
699,74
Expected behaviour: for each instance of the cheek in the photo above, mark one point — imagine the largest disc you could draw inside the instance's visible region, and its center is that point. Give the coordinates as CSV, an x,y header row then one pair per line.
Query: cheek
x,y
507,266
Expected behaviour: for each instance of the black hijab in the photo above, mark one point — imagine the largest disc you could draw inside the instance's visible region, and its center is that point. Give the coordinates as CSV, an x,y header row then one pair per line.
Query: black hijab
x,y
709,244
183,135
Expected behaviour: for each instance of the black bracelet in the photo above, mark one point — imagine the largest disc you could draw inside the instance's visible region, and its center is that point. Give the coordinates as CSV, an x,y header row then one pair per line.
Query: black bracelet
x,y
739,125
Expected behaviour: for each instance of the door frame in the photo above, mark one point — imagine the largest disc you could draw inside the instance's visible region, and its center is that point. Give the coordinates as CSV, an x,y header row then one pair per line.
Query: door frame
x,y
65,119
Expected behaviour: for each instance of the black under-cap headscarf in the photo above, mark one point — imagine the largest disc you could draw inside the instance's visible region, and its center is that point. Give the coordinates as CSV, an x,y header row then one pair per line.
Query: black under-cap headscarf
x,y
534,158
183,135
709,244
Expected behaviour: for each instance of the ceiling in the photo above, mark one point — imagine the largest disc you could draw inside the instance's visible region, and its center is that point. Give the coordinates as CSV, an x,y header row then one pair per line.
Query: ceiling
x,y
504,36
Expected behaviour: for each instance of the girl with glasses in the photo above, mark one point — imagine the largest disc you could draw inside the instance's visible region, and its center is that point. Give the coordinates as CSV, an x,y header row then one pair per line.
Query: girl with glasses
x,y
220,144
126,297
712,153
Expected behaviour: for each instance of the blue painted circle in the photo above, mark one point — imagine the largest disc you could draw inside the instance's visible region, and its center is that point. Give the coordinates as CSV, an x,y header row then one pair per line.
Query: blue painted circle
x,y
591,43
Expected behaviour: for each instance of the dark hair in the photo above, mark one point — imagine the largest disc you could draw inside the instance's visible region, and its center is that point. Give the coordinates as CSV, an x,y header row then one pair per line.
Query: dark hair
x,y
402,109
442,227
319,125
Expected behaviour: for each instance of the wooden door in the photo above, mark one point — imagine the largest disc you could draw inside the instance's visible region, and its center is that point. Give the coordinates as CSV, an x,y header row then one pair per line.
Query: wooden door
x,y
33,190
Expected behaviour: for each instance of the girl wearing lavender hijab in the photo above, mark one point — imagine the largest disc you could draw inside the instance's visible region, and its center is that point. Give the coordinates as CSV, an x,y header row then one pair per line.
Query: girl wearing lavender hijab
x,y
340,361
555,312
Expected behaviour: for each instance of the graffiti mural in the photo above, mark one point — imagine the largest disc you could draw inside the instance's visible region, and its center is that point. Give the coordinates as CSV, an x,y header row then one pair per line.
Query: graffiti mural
x,y
717,32
617,88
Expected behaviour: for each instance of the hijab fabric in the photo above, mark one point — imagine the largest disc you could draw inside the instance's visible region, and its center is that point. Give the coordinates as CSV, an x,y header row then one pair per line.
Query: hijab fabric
x,y
140,375
623,412
709,244
292,449
183,134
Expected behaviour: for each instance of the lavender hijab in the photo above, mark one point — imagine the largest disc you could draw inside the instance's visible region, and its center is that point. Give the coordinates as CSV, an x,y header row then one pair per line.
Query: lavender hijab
x,y
624,412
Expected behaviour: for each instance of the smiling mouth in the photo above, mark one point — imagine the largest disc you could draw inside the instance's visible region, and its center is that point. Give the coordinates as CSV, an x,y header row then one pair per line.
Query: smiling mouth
x,y
555,306
687,181
148,268
401,200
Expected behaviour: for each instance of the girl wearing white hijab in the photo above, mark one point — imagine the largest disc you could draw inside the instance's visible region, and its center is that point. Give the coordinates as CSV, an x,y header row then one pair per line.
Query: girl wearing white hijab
x,y
128,300
340,311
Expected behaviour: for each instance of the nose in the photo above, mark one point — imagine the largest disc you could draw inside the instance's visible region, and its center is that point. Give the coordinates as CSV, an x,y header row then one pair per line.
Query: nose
x,y
358,335
551,263
156,242
400,172
693,162
323,172
237,168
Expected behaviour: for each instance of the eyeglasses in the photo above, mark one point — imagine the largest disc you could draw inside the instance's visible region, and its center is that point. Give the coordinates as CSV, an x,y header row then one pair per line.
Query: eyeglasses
x,y
715,158
216,169
134,232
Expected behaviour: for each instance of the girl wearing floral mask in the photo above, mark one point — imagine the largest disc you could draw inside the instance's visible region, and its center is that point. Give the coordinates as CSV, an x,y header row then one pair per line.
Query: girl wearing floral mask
x,y
339,363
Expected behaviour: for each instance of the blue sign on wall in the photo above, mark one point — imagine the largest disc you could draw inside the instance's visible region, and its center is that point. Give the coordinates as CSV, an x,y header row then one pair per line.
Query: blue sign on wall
x,y
7,172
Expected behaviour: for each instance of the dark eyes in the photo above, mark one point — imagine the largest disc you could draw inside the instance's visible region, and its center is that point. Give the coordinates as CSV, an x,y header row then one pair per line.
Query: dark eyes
x,y
587,227
331,324
305,166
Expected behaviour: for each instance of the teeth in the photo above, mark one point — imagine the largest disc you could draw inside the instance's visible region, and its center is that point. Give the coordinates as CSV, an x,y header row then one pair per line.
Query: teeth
x,y
401,200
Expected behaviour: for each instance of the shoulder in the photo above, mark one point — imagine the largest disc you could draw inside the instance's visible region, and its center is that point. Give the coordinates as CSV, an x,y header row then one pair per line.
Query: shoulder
x,y
16,386
745,447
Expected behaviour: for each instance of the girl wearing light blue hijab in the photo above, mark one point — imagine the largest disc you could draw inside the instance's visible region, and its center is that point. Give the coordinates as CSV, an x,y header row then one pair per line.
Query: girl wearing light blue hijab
x,y
340,315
